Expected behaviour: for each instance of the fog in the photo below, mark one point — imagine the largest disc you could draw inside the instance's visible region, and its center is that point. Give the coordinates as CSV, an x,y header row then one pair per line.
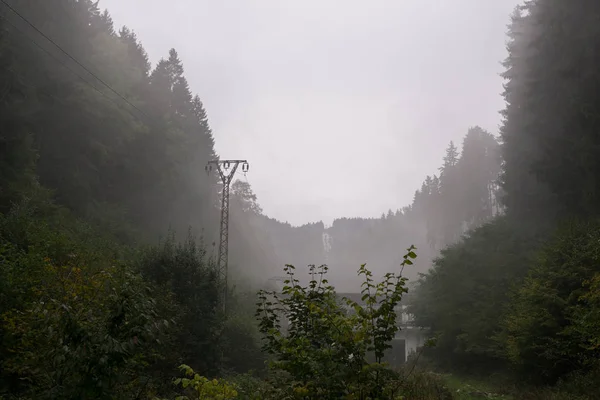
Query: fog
x,y
341,108
464,131
370,126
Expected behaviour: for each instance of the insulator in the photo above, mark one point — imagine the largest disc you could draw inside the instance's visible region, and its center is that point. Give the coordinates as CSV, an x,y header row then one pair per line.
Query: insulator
x,y
226,164
245,167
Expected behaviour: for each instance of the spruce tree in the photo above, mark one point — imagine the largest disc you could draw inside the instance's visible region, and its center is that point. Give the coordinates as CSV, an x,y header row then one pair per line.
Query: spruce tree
x,y
565,102
451,157
550,144
479,169
138,57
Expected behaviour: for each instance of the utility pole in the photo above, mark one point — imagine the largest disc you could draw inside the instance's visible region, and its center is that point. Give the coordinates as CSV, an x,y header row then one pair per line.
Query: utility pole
x,y
223,167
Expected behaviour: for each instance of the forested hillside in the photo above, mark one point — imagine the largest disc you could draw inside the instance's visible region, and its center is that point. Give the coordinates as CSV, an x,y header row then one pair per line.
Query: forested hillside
x,y
519,296
129,158
463,195
109,227
100,151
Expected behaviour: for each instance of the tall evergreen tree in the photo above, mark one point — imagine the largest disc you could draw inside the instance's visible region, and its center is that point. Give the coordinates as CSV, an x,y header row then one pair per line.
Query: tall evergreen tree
x,y
450,197
479,170
464,194
451,157
549,135
137,55
565,101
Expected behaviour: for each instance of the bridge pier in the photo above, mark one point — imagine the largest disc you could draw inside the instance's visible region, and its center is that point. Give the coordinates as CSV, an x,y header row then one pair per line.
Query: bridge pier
x,y
412,337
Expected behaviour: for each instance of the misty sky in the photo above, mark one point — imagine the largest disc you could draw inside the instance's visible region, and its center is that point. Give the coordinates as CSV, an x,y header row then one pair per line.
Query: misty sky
x,y
342,107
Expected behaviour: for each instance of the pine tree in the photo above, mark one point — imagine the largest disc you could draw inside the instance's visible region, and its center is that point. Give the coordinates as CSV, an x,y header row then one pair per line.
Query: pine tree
x,y
564,100
95,152
450,216
526,196
138,57
17,147
479,167
105,23
451,157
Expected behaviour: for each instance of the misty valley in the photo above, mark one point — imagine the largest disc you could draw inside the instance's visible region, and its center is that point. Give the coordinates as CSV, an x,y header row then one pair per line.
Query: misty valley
x,y
137,261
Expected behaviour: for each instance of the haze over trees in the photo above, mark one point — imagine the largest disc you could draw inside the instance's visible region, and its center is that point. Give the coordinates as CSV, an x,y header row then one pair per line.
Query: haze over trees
x,y
464,195
108,231
519,293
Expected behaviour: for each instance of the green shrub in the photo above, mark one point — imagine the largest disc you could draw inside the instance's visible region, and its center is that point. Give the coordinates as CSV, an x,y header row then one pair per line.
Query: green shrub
x,y
240,338
184,270
197,387
421,385
322,350
74,322
250,387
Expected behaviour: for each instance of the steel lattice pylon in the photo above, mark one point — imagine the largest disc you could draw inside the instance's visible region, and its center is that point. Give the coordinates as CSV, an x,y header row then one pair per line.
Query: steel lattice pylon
x,y
223,168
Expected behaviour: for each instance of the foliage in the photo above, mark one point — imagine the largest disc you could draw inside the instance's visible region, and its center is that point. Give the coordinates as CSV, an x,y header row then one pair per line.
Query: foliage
x,y
323,348
579,385
460,298
250,387
464,195
138,158
85,313
552,322
185,270
240,336
78,323
84,177
479,387
476,296
86,339
414,385
550,145
84,317
465,192
419,385
201,388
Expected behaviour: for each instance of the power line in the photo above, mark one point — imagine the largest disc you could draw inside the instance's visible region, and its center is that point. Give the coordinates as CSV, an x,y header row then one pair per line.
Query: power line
x,y
64,64
52,55
70,56
36,88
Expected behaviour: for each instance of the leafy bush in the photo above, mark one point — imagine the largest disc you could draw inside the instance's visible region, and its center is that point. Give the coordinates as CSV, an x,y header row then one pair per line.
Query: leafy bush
x,y
83,317
322,351
240,337
420,385
184,270
250,387
198,387
75,323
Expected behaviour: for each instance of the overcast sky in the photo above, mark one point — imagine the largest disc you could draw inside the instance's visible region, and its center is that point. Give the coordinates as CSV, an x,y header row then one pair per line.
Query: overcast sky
x,y
342,107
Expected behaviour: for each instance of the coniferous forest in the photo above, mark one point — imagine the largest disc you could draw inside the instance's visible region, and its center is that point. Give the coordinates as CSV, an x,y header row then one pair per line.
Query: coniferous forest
x,y
109,233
